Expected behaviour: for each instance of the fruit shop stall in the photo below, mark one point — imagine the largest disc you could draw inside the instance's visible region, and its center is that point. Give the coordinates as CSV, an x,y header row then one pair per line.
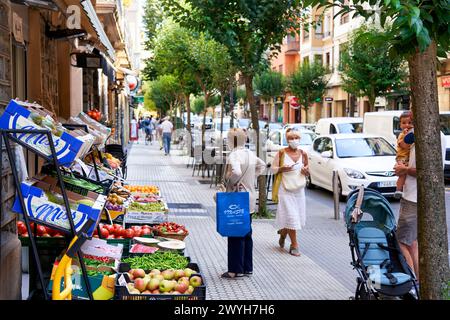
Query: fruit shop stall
x,y
131,251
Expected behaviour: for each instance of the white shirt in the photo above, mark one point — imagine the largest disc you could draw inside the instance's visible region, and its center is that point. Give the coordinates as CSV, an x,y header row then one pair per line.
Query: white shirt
x,y
410,187
167,126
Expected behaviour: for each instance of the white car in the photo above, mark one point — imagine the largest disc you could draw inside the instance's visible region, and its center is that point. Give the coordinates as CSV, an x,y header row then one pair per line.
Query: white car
x,y
277,141
301,126
339,125
359,159
215,135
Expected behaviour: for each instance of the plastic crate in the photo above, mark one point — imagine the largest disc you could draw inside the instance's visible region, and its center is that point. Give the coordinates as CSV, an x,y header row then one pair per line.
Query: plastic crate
x,y
121,291
124,242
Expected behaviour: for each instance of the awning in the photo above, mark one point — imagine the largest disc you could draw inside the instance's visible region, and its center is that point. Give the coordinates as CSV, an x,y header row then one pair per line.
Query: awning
x,y
92,15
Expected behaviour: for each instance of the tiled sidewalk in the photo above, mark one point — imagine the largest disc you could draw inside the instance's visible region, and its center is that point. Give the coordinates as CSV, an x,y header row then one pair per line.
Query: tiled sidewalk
x,y
322,272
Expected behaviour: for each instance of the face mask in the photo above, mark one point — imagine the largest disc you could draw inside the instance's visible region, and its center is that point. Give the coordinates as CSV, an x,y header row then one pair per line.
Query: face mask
x,y
294,144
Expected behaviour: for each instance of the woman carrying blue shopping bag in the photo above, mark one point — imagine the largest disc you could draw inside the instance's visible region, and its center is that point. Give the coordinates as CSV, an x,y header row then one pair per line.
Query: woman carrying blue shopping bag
x,y
243,168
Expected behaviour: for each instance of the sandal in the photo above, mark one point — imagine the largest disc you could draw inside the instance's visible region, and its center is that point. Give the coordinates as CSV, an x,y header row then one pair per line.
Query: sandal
x,y
282,239
248,273
294,252
231,275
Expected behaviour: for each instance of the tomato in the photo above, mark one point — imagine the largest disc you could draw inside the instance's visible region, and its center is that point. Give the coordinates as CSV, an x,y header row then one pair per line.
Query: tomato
x,y
59,235
110,237
41,230
146,231
110,228
116,226
134,228
120,237
129,234
104,233
95,232
21,228
138,233
46,235
119,231
25,234
95,235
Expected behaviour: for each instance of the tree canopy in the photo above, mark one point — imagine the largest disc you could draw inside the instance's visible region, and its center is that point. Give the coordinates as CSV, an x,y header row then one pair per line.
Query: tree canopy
x,y
270,84
367,68
308,84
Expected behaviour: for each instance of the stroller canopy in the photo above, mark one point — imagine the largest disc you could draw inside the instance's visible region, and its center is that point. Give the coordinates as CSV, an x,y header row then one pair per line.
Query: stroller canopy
x,y
375,205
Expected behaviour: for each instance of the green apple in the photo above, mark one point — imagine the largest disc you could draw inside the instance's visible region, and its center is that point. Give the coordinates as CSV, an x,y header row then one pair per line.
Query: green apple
x,y
188,272
190,290
195,281
153,284
168,274
166,286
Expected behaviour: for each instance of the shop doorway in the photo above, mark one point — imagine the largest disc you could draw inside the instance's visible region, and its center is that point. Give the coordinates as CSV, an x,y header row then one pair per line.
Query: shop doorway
x,y
329,110
340,108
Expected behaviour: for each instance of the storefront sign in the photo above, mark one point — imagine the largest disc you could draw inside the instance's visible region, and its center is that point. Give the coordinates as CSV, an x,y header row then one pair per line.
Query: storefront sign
x,y
293,102
445,81
18,28
328,99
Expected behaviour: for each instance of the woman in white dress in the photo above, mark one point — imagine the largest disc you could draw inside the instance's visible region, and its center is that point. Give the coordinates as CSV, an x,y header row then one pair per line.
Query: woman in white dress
x,y
290,167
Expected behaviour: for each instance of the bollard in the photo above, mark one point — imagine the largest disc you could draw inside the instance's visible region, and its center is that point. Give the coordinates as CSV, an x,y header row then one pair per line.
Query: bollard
x,y
336,195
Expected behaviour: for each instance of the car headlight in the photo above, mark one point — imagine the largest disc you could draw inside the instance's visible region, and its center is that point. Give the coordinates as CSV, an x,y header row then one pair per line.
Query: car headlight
x,y
353,173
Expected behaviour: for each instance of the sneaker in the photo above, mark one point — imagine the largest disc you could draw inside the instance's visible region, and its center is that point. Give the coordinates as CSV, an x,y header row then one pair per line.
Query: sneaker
x,y
398,195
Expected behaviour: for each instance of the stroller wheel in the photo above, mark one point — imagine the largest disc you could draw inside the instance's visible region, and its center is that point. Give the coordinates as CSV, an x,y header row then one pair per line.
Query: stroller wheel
x,y
363,293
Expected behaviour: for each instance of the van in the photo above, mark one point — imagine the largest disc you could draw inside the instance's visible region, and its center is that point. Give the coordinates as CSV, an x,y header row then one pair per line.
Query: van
x,y
383,123
339,125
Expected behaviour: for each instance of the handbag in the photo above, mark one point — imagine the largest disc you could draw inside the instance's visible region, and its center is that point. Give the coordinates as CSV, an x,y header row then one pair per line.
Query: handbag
x,y
233,214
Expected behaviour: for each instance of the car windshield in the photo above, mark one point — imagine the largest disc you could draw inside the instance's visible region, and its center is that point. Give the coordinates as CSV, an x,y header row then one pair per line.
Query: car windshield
x,y
350,127
445,123
363,147
243,123
226,126
275,126
306,139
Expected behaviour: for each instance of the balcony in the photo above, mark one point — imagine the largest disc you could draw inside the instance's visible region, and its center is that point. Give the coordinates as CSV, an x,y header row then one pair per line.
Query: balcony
x,y
292,47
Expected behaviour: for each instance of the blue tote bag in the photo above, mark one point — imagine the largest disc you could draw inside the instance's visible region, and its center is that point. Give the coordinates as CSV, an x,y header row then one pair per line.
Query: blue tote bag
x,y
233,214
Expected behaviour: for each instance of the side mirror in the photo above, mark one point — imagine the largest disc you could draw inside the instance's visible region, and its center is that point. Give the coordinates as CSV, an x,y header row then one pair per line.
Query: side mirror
x,y
327,154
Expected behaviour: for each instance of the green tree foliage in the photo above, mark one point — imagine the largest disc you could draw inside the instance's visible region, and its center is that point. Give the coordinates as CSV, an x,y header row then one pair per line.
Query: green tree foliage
x,y
269,85
368,70
308,84
165,93
421,32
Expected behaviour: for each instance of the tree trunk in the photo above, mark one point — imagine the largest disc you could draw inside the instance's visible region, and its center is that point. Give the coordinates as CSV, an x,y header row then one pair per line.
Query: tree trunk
x,y
188,110
306,114
231,108
222,110
432,226
248,80
204,119
372,104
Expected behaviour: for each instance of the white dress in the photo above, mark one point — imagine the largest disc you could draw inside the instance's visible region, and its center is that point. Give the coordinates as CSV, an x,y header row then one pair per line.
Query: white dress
x,y
291,211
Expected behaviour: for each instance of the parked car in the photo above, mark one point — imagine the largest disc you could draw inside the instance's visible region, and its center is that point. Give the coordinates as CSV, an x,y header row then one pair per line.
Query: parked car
x,y
243,122
301,126
208,123
383,123
277,141
216,134
359,159
339,125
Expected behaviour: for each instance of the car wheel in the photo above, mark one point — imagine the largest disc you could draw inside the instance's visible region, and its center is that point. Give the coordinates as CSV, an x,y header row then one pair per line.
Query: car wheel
x,y
309,184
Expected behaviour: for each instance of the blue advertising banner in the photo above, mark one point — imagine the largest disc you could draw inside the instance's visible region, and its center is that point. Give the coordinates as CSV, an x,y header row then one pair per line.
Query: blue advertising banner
x,y
233,214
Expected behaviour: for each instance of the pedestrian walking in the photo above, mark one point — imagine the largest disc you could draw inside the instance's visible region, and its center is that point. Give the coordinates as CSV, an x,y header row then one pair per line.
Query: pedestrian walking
x,y
243,167
159,133
290,167
167,129
407,222
147,130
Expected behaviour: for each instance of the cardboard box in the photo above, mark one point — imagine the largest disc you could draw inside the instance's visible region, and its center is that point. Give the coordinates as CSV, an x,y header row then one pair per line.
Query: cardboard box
x,y
67,147
53,214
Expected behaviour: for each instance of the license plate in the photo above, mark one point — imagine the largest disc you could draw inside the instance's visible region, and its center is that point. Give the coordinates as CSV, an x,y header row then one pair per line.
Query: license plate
x,y
387,184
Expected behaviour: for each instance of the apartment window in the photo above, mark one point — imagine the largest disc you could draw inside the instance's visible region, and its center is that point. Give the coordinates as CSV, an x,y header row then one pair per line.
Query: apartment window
x,y
327,26
305,35
343,47
280,68
318,27
318,58
328,60
345,17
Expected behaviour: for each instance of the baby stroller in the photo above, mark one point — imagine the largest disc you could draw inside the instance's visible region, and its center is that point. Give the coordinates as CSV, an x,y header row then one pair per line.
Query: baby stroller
x,y
382,268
